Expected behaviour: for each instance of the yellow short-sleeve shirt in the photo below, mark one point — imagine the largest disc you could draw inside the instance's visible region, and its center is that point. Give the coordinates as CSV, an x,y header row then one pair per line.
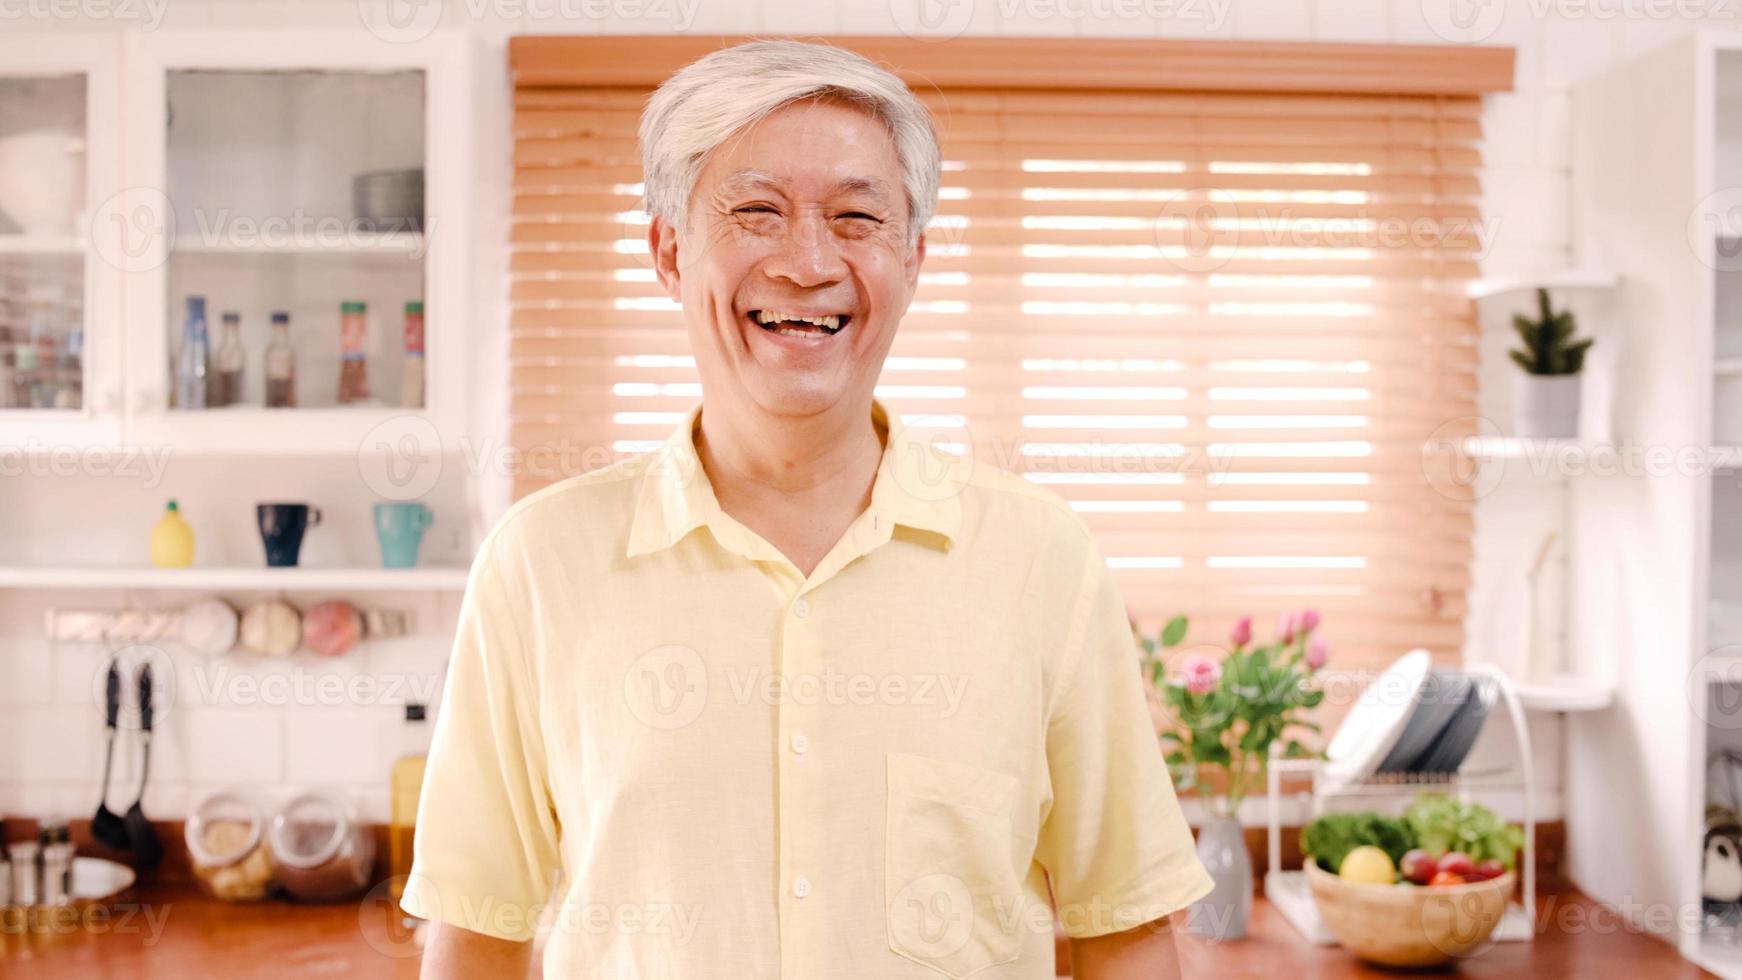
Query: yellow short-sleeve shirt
x,y
708,765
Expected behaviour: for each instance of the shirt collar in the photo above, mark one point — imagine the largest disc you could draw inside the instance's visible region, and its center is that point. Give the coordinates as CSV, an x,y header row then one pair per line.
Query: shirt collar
x,y
918,485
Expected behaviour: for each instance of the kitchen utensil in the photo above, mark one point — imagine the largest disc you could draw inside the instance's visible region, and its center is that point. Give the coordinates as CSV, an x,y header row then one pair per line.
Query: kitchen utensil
x,y
147,850
1376,722
399,528
281,530
1454,744
107,827
209,626
322,853
271,627
1442,697
226,842
388,200
331,628
42,179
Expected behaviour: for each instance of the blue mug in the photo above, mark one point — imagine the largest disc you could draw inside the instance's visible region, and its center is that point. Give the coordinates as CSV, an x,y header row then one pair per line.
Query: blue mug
x,y
399,528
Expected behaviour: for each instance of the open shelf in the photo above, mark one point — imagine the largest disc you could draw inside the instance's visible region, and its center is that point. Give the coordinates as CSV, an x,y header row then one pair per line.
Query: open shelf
x,y
1565,694
41,245
1511,447
315,243
430,579
1563,279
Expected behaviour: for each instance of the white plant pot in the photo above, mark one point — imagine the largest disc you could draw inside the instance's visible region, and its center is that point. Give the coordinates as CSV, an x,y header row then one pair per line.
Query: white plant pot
x,y
1545,406
42,179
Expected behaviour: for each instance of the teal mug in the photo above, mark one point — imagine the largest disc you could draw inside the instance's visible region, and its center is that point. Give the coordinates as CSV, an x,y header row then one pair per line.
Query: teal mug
x,y
399,528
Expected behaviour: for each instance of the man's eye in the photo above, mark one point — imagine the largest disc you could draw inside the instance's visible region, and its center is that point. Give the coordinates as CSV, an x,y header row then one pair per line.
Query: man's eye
x,y
755,209
861,216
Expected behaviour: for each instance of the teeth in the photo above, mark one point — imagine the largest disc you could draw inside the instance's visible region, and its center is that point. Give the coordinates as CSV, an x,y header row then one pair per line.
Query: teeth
x,y
831,322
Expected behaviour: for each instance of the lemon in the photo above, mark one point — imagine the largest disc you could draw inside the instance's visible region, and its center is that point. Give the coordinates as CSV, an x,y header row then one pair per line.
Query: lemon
x,y
1368,864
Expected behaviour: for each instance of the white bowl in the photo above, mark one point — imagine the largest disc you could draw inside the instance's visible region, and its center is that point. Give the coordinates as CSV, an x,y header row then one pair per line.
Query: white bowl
x,y
42,179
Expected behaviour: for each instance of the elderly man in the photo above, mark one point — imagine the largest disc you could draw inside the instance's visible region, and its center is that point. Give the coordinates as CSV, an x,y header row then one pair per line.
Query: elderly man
x,y
795,696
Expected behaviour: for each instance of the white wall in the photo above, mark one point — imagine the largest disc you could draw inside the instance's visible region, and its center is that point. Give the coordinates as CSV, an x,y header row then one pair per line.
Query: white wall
x,y
45,692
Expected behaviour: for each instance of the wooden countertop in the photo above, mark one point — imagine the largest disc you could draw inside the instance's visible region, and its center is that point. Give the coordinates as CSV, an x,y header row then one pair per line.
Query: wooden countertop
x,y
174,932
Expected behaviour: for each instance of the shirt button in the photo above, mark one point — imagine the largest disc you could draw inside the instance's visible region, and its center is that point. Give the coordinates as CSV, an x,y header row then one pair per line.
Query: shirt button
x,y
801,743
801,886
801,607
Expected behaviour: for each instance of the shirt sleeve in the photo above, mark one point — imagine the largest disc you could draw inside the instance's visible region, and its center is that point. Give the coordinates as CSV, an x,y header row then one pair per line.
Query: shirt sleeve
x,y
1115,843
485,847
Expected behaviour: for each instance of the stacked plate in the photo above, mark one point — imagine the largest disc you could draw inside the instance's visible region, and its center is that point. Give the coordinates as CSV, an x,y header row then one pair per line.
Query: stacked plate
x,y
1415,718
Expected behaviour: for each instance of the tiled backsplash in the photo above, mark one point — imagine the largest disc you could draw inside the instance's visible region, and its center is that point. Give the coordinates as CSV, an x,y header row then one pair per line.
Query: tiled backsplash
x,y
271,726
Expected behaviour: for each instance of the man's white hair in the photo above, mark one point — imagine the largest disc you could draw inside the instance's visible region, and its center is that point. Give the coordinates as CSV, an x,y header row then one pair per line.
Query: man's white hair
x,y
715,96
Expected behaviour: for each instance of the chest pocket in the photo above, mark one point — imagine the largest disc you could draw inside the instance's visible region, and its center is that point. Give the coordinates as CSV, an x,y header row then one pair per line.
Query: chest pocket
x,y
951,881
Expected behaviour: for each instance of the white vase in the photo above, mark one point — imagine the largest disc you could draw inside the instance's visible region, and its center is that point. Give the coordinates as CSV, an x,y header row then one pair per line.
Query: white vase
x,y
1222,914
1545,406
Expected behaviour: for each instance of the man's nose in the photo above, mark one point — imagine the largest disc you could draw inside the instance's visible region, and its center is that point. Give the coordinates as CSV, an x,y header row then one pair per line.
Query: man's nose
x,y
808,255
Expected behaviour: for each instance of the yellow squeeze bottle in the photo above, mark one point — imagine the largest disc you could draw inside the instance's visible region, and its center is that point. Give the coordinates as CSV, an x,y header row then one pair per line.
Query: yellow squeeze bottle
x,y
172,540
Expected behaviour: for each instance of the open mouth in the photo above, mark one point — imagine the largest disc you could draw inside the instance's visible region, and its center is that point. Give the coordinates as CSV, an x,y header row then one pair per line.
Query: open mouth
x,y
800,325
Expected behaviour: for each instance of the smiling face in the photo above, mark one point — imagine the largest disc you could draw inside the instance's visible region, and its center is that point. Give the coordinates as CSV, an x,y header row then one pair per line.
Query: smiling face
x,y
795,267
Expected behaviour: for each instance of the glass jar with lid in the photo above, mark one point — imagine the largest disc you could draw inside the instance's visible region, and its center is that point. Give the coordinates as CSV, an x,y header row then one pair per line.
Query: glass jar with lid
x,y
226,841
322,852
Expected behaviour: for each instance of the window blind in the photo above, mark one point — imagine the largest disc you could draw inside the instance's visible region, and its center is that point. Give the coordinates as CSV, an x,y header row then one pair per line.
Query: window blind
x,y
1222,324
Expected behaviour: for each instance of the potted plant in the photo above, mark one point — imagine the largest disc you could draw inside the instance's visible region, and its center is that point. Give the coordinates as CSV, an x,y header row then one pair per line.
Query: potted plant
x,y
1226,711
1545,398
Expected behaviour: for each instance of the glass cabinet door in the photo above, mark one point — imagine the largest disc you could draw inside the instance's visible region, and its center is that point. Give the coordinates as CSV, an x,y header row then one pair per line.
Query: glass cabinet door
x,y
296,270
43,184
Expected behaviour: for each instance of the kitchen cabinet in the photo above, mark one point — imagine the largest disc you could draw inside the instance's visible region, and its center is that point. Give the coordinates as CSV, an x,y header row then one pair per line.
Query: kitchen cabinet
x,y
255,141
1657,547
223,165
60,342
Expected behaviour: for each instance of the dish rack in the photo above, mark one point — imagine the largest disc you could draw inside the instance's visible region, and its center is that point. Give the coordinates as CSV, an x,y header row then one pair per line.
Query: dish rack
x,y
1288,891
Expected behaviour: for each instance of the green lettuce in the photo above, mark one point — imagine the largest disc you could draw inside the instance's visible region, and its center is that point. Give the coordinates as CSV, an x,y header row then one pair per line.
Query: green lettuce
x,y
1441,823
1331,837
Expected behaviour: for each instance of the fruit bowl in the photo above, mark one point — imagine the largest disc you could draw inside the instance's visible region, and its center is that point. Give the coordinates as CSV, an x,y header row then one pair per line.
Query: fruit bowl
x,y
1409,926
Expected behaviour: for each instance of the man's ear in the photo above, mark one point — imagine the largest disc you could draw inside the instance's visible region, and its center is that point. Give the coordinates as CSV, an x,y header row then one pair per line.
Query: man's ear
x,y
662,242
915,259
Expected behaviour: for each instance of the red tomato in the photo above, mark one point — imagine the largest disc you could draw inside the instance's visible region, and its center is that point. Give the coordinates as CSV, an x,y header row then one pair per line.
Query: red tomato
x,y
1418,866
1457,862
1446,878
1490,868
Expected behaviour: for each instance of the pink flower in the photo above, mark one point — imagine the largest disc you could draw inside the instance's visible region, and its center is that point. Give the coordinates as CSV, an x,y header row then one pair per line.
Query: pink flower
x,y
1242,634
1317,653
1285,627
1202,674
1309,620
